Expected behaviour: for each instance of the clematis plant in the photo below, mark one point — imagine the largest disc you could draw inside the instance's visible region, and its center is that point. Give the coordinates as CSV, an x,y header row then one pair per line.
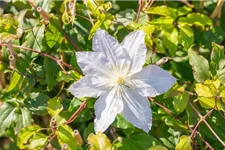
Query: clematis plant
x,y
114,73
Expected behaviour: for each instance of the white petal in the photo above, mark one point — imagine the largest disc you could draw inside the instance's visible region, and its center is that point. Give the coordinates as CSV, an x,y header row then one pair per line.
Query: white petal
x,y
89,86
152,81
137,110
93,63
106,109
134,43
105,43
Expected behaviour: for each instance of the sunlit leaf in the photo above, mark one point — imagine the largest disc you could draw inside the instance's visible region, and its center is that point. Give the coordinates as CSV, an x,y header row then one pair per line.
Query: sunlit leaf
x,y
54,106
170,38
99,141
162,10
184,143
65,135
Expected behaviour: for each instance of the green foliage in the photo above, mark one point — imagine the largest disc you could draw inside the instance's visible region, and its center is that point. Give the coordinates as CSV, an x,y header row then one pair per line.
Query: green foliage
x,y
36,109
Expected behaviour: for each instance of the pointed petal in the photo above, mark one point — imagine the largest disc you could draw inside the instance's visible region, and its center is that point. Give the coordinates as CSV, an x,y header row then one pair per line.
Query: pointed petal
x,y
137,110
152,81
107,44
106,109
134,43
88,86
93,63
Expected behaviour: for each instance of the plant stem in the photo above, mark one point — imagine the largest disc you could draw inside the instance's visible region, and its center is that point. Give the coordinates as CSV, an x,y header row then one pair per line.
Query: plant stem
x,y
170,112
140,3
58,61
196,126
213,132
82,106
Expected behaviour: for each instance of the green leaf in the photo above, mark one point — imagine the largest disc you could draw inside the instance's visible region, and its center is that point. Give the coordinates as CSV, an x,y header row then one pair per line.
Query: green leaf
x,y
220,75
62,76
65,135
175,90
215,34
15,81
207,103
186,36
195,19
34,39
51,69
37,103
99,142
181,11
25,134
54,106
9,28
88,131
162,21
217,57
15,116
180,102
175,124
161,10
158,147
184,143
38,141
29,138
53,32
170,38
139,141
120,122
200,66
203,90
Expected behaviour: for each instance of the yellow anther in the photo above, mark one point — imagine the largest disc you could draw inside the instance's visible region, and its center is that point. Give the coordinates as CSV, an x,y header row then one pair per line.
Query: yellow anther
x,y
120,80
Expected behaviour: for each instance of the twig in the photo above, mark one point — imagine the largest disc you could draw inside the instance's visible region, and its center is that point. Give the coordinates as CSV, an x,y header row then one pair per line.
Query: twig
x,y
140,4
171,113
201,119
82,106
187,3
32,4
58,61
150,2
71,41
201,5
213,132
217,10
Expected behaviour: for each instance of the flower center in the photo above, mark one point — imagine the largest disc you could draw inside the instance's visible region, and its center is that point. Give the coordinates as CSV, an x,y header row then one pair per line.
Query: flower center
x,y
120,80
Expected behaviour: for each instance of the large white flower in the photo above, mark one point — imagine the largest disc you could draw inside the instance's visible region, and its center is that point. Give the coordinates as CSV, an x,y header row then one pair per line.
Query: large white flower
x,y
114,73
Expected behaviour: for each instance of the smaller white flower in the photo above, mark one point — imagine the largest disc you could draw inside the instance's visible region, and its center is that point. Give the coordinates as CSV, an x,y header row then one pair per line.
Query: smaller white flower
x,y
114,73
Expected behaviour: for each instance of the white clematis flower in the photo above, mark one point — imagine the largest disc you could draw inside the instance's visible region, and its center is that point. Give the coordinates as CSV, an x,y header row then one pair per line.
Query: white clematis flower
x,y
114,73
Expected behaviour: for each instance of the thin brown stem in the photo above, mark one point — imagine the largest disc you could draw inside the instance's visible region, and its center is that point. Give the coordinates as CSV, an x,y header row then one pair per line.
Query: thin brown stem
x,y
217,10
58,61
201,5
171,113
140,4
206,123
32,4
196,126
187,3
82,106
73,43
